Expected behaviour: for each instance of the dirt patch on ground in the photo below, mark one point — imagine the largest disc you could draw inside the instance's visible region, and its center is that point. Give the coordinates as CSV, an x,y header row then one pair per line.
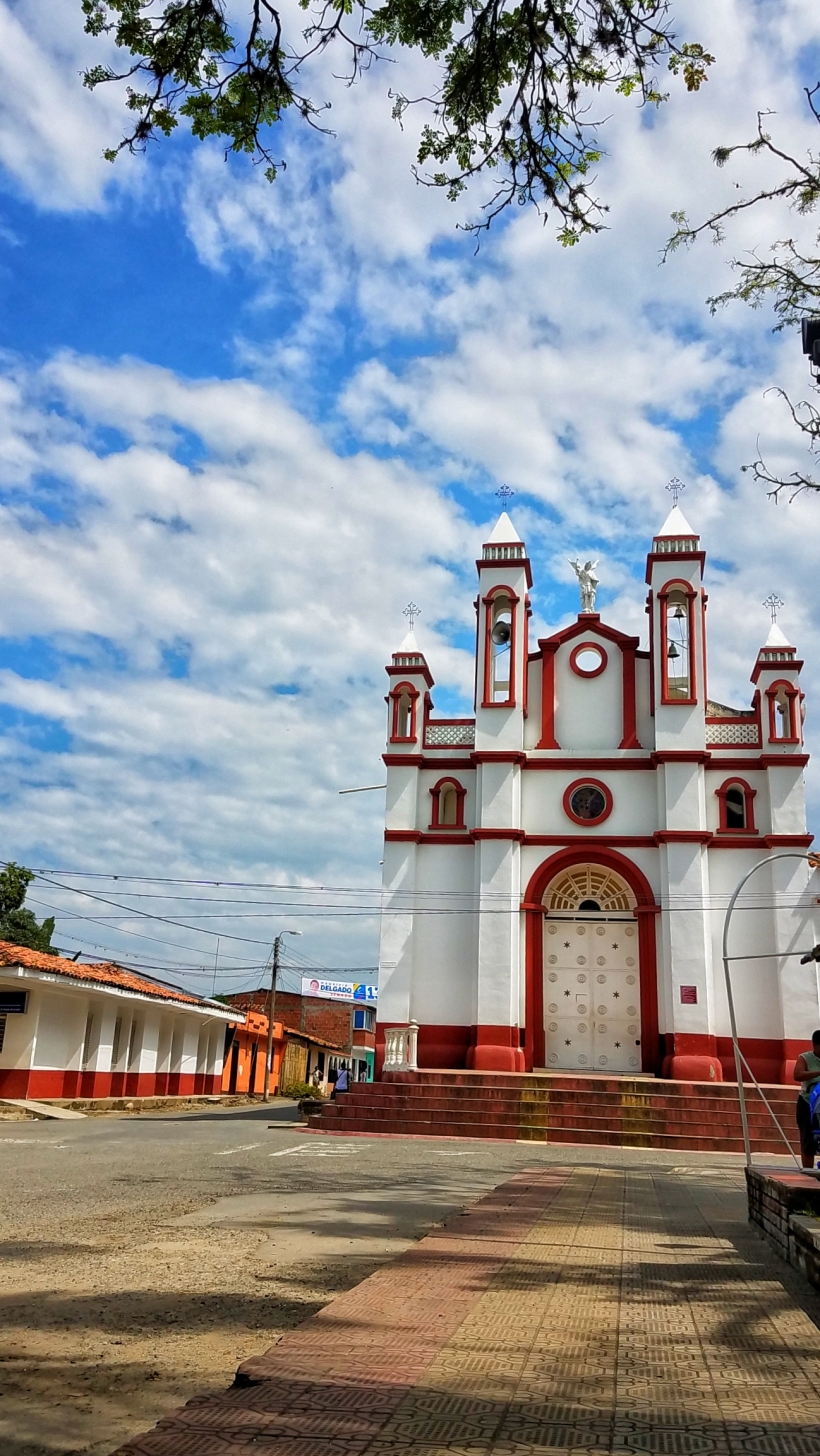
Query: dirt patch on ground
x,y
101,1338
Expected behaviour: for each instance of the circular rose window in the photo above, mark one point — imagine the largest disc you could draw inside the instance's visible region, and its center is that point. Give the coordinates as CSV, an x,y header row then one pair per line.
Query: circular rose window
x,y
587,801
588,659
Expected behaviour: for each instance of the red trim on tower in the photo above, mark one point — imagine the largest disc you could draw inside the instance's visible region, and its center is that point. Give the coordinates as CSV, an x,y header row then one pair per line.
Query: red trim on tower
x,y
515,602
548,739
669,559
679,585
792,692
395,695
630,702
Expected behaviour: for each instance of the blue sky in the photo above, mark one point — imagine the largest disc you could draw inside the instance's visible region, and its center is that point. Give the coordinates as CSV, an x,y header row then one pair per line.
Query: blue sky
x,y
241,425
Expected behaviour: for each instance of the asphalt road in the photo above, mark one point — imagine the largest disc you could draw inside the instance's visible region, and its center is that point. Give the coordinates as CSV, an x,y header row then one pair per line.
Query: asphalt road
x,y
143,1257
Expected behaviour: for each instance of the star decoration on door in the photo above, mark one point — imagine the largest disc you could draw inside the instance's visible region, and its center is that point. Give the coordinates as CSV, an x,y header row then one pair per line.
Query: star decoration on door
x,y
615,995
567,993
567,1043
617,1043
614,945
566,945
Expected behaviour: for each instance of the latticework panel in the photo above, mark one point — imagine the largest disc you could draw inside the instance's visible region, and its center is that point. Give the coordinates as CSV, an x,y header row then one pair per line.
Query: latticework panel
x,y
450,735
589,882
734,732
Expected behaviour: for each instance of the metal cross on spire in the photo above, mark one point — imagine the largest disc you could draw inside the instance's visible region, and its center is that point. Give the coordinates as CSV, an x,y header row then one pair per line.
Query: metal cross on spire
x,y
774,603
505,495
411,611
675,486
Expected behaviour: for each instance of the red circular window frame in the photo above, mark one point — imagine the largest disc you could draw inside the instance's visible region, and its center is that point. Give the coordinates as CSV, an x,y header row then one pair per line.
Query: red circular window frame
x,y
587,647
593,784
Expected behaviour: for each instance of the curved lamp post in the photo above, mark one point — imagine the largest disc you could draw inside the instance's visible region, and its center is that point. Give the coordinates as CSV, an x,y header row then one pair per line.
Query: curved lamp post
x,y
739,1057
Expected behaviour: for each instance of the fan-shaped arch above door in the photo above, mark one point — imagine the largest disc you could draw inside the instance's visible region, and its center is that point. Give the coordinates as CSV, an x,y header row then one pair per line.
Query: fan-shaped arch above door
x,y
589,887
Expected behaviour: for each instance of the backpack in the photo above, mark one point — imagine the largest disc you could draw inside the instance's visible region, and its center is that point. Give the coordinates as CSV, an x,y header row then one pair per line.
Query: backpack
x,y
814,1109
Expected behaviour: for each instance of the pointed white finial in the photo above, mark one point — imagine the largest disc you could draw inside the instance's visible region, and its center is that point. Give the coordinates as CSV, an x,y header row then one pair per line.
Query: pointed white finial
x,y
774,603
675,487
411,611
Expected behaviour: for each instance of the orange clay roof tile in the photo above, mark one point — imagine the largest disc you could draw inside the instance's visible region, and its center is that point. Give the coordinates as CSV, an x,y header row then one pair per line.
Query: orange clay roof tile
x,y
104,973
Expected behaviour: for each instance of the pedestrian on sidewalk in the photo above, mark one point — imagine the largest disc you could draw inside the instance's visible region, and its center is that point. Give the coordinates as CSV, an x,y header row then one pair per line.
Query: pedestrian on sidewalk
x,y
807,1071
342,1080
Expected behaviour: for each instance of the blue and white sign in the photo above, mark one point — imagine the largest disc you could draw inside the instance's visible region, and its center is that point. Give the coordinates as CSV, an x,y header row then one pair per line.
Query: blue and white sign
x,y
339,990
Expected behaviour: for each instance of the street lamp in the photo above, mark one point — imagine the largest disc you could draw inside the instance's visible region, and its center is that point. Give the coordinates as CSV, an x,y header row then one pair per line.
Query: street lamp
x,y
273,974
740,1060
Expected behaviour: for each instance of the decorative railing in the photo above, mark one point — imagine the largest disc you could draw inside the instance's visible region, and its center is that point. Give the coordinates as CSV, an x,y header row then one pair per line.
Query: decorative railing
x,y
671,545
735,731
408,659
401,1048
776,654
513,552
449,735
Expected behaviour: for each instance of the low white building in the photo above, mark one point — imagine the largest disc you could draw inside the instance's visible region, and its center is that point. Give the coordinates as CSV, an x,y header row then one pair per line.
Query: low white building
x,y
74,1030
557,867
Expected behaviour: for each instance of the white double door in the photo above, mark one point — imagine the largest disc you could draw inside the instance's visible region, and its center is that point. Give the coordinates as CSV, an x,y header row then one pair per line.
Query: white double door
x,y
592,1006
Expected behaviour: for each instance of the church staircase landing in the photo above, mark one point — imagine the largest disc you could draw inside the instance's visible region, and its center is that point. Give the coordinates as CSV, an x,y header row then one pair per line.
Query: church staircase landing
x,y
550,1107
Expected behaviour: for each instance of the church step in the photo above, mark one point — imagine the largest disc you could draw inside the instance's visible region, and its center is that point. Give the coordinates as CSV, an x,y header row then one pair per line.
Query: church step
x,y
404,1127
491,1082
657,1111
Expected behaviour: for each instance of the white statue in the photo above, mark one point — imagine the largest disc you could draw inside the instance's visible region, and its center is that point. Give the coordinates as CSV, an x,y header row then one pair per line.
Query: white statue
x,y
588,582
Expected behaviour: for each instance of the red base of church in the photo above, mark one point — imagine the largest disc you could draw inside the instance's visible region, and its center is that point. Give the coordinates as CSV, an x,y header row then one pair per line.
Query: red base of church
x,y
41,1084
681,1057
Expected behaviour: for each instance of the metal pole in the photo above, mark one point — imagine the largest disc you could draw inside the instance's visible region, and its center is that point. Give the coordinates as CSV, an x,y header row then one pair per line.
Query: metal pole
x,y
271,1009
730,998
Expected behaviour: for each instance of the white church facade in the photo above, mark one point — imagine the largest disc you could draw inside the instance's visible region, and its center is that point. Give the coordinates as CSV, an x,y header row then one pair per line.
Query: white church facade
x,y
557,867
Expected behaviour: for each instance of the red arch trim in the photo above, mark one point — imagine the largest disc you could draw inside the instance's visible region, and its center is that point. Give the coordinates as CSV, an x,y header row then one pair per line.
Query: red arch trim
x,y
646,910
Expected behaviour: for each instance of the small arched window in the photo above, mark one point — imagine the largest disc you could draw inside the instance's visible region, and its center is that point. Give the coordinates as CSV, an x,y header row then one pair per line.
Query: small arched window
x,y
736,807
403,725
448,797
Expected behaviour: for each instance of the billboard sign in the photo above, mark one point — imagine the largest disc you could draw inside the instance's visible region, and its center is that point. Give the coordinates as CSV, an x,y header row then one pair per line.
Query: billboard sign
x,y
338,990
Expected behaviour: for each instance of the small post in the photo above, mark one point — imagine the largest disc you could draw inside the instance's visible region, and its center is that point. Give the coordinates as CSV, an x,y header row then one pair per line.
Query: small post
x,y
271,1009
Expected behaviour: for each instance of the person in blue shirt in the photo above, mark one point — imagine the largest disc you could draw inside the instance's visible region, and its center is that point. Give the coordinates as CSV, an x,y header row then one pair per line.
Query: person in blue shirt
x,y
807,1071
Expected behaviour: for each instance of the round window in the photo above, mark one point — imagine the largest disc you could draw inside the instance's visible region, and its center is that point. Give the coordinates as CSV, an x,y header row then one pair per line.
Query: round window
x,y
587,802
587,659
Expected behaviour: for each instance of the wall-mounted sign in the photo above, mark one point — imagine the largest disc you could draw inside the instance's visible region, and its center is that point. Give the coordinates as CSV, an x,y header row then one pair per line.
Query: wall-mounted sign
x,y
338,990
689,995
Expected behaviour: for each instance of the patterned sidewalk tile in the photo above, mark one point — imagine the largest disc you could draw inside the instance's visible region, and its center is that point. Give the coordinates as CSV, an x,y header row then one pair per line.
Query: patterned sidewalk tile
x,y
587,1313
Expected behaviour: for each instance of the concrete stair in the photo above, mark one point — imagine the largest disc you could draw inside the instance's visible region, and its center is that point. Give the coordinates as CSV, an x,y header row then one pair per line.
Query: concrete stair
x,y
552,1107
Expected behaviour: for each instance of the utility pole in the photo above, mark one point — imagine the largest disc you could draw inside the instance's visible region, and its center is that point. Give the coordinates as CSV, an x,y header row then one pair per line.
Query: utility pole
x,y
272,1007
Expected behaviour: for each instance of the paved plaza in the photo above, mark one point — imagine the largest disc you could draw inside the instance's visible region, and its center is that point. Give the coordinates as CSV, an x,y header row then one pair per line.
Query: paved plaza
x,y
571,1310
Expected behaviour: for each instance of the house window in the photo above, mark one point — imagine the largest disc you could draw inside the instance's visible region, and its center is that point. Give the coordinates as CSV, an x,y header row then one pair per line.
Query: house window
x,y
676,614
363,1018
736,807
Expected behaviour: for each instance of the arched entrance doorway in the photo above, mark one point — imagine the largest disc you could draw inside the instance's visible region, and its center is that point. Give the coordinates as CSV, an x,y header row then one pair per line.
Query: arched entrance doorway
x,y
590,897
591,973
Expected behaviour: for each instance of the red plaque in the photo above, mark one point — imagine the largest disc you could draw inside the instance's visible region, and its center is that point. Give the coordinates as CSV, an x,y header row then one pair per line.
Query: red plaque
x,y
689,995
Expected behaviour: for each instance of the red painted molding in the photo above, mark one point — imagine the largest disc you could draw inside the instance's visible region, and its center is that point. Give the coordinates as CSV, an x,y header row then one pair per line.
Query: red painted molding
x,y
669,559
508,563
588,622
784,760
596,784
630,701
683,836
680,755
407,836
404,760
515,834
590,646
547,739
602,764
394,670
792,665
687,590
623,841
507,593
491,756
796,841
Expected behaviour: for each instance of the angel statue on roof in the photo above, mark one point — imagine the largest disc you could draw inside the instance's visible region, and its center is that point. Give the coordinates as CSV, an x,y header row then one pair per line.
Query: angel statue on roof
x,y
588,582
